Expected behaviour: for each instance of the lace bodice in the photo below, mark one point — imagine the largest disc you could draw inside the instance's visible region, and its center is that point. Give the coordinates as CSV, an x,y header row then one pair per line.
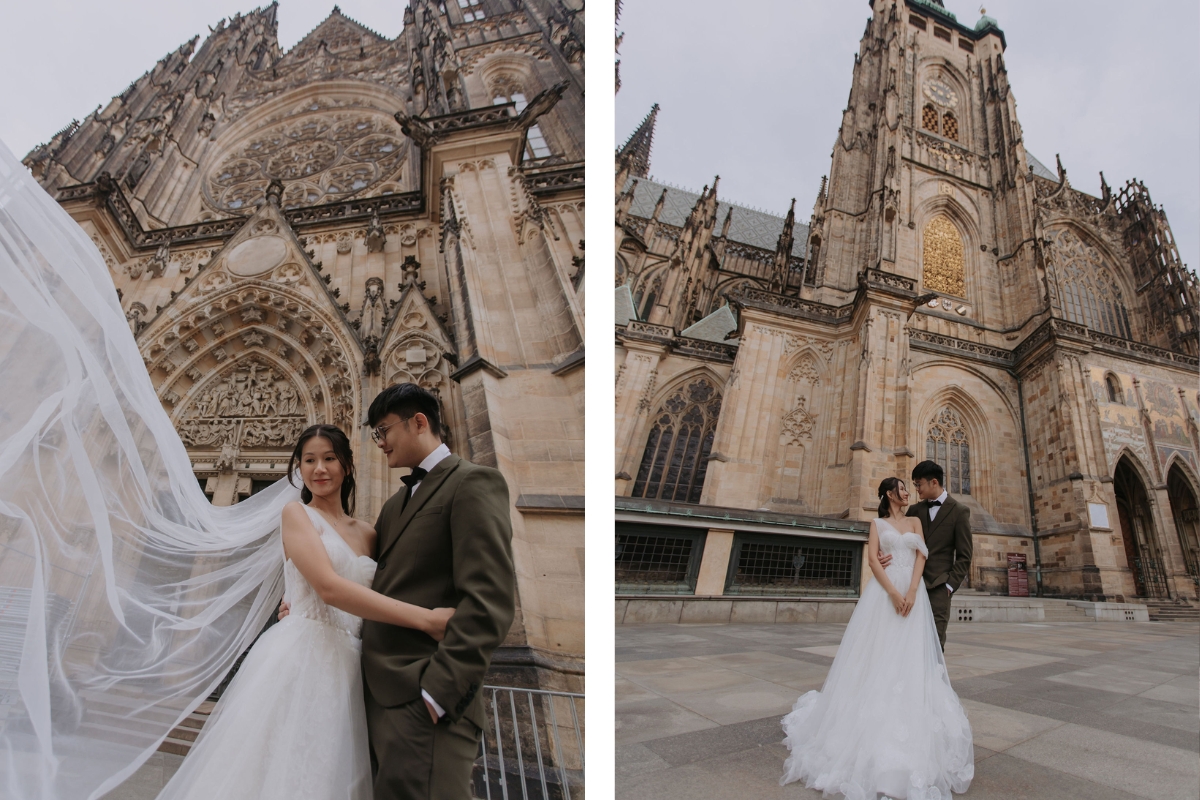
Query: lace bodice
x,y
304,600
902,547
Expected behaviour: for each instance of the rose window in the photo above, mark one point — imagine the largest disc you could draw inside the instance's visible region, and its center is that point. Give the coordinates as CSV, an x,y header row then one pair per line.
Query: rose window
x,y
320,159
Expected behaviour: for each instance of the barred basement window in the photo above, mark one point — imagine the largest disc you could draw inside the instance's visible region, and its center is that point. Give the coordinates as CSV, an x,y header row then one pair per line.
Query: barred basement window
x,y
677,450
653,560
949,126
792,565
947,444
929,119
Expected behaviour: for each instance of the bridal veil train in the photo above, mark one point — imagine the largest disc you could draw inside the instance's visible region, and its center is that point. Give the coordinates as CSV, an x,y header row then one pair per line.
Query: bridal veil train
x,y
125,596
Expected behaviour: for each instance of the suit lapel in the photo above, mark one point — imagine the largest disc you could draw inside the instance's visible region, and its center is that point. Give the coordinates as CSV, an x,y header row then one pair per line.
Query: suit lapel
x,y
429,485
942,514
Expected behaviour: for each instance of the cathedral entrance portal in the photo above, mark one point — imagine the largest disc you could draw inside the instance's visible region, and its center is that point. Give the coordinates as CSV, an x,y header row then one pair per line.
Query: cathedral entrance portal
x,y
1137,531
1187,519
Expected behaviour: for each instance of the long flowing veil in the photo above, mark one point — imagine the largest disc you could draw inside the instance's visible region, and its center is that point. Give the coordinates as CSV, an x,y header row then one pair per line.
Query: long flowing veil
x,y
125,596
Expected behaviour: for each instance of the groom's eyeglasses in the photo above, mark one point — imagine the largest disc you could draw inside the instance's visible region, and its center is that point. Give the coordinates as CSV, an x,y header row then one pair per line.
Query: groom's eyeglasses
x,y
378,433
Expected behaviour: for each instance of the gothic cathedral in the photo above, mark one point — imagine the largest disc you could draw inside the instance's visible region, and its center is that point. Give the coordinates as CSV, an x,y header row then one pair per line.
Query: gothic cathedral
x,y
949,298
290,232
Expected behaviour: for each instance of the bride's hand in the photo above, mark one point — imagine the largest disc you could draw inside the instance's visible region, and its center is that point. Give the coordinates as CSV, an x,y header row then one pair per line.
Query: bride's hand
x,y
910,600
899,603
438,618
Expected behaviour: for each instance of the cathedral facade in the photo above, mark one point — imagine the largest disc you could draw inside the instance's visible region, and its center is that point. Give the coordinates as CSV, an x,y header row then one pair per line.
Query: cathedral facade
x,y
950,298
290,232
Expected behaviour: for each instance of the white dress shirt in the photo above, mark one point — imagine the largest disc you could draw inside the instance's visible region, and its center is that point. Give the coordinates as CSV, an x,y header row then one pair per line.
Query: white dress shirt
x,y
429,462
933,510
432,460
941,498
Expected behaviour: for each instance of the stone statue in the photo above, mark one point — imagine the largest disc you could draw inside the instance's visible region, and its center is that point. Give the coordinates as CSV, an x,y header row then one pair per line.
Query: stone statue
x,y
371,320
375,236
136,318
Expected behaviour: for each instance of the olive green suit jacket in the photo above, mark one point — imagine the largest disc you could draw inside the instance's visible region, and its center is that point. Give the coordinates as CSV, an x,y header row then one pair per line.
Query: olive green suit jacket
x,y
948,538
449,545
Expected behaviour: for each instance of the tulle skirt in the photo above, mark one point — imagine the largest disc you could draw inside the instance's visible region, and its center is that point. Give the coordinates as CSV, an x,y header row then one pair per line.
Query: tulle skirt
x,y
886,721
291,726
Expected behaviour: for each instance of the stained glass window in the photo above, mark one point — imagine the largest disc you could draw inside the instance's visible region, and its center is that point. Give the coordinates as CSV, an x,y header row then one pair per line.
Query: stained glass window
x,y
947,444
680,441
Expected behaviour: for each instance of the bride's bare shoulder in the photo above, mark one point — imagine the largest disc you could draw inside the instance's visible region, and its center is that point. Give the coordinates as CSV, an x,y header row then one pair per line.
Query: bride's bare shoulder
x,y
914,526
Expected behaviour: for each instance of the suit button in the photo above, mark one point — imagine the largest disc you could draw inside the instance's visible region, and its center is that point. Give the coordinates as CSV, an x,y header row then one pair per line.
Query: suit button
x,y
380,564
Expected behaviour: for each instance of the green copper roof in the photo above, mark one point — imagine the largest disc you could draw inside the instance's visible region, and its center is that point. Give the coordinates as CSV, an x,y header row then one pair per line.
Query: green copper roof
x,y
935,5
986,21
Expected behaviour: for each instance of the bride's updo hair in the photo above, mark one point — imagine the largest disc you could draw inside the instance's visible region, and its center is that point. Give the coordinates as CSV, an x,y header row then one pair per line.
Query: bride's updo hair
x,y
888,485
341,450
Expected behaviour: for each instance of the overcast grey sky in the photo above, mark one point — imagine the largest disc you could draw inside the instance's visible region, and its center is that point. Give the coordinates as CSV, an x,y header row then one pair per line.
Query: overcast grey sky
x,y
59,59
757,96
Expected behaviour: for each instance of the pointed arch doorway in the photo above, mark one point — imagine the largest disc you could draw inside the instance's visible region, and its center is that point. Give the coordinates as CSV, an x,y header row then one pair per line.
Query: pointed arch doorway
x,y
1187,518
1137,531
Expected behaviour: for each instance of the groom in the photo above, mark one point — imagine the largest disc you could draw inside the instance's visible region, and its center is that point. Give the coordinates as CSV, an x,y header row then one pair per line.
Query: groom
x,y
947,527
444,540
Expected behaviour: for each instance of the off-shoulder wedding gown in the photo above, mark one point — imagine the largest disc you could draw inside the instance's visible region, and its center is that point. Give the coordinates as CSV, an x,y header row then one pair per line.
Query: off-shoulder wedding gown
x,y
886,722
292,724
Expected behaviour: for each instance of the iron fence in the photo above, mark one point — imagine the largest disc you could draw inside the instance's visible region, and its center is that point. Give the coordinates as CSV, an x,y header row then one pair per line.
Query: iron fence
x,y
532,746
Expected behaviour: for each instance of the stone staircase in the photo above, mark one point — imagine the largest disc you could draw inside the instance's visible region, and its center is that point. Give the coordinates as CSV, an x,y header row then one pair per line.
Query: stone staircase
x,y
1170,611
179,740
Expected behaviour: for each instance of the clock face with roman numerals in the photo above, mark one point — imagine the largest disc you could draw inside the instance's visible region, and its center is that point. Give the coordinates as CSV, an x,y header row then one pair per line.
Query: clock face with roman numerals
x,y
941,94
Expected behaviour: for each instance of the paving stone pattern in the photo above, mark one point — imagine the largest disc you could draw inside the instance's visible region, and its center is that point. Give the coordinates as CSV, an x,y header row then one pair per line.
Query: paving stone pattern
x,y
1095,711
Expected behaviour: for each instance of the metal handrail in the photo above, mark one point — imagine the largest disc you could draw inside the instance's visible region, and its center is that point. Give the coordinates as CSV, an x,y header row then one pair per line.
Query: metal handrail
x,y
516,727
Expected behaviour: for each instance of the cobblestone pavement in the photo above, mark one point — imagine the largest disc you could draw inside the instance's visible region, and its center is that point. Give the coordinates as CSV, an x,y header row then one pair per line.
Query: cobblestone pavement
x,y
1061,711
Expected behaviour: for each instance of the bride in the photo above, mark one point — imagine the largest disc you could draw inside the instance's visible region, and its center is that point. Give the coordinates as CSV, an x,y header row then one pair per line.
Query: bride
x,y
886,721
125,595
292,723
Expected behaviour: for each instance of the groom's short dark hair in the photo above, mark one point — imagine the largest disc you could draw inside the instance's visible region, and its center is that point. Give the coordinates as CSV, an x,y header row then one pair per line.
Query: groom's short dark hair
x,y
929,470
405,400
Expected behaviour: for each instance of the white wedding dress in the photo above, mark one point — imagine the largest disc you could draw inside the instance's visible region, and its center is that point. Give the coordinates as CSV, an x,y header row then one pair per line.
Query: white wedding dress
x,y
886,722
292,724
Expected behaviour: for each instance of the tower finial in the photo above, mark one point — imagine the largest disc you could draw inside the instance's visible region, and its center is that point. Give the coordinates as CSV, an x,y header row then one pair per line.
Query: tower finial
x,y
636,151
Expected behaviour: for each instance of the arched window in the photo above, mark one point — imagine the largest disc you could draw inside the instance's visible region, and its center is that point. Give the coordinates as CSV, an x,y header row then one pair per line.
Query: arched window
x,y
472,10
1115,394
947,444
535,142
676,455
929,119
1090,296
943,258
949,126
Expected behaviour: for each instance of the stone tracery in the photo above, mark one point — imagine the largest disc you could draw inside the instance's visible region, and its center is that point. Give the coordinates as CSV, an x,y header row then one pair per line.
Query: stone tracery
x,y
323,156
948,444
1091,296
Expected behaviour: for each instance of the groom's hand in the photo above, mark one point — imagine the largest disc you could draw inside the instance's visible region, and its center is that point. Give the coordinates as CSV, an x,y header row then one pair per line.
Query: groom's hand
x,y
885,559
284,609
433,715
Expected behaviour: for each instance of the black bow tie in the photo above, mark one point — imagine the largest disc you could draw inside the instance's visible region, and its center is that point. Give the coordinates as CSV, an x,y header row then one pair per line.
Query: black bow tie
x,y
935,502
415,477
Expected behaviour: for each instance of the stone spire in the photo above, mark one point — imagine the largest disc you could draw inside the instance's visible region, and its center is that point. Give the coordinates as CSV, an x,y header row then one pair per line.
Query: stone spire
x,y
636,152
783,251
